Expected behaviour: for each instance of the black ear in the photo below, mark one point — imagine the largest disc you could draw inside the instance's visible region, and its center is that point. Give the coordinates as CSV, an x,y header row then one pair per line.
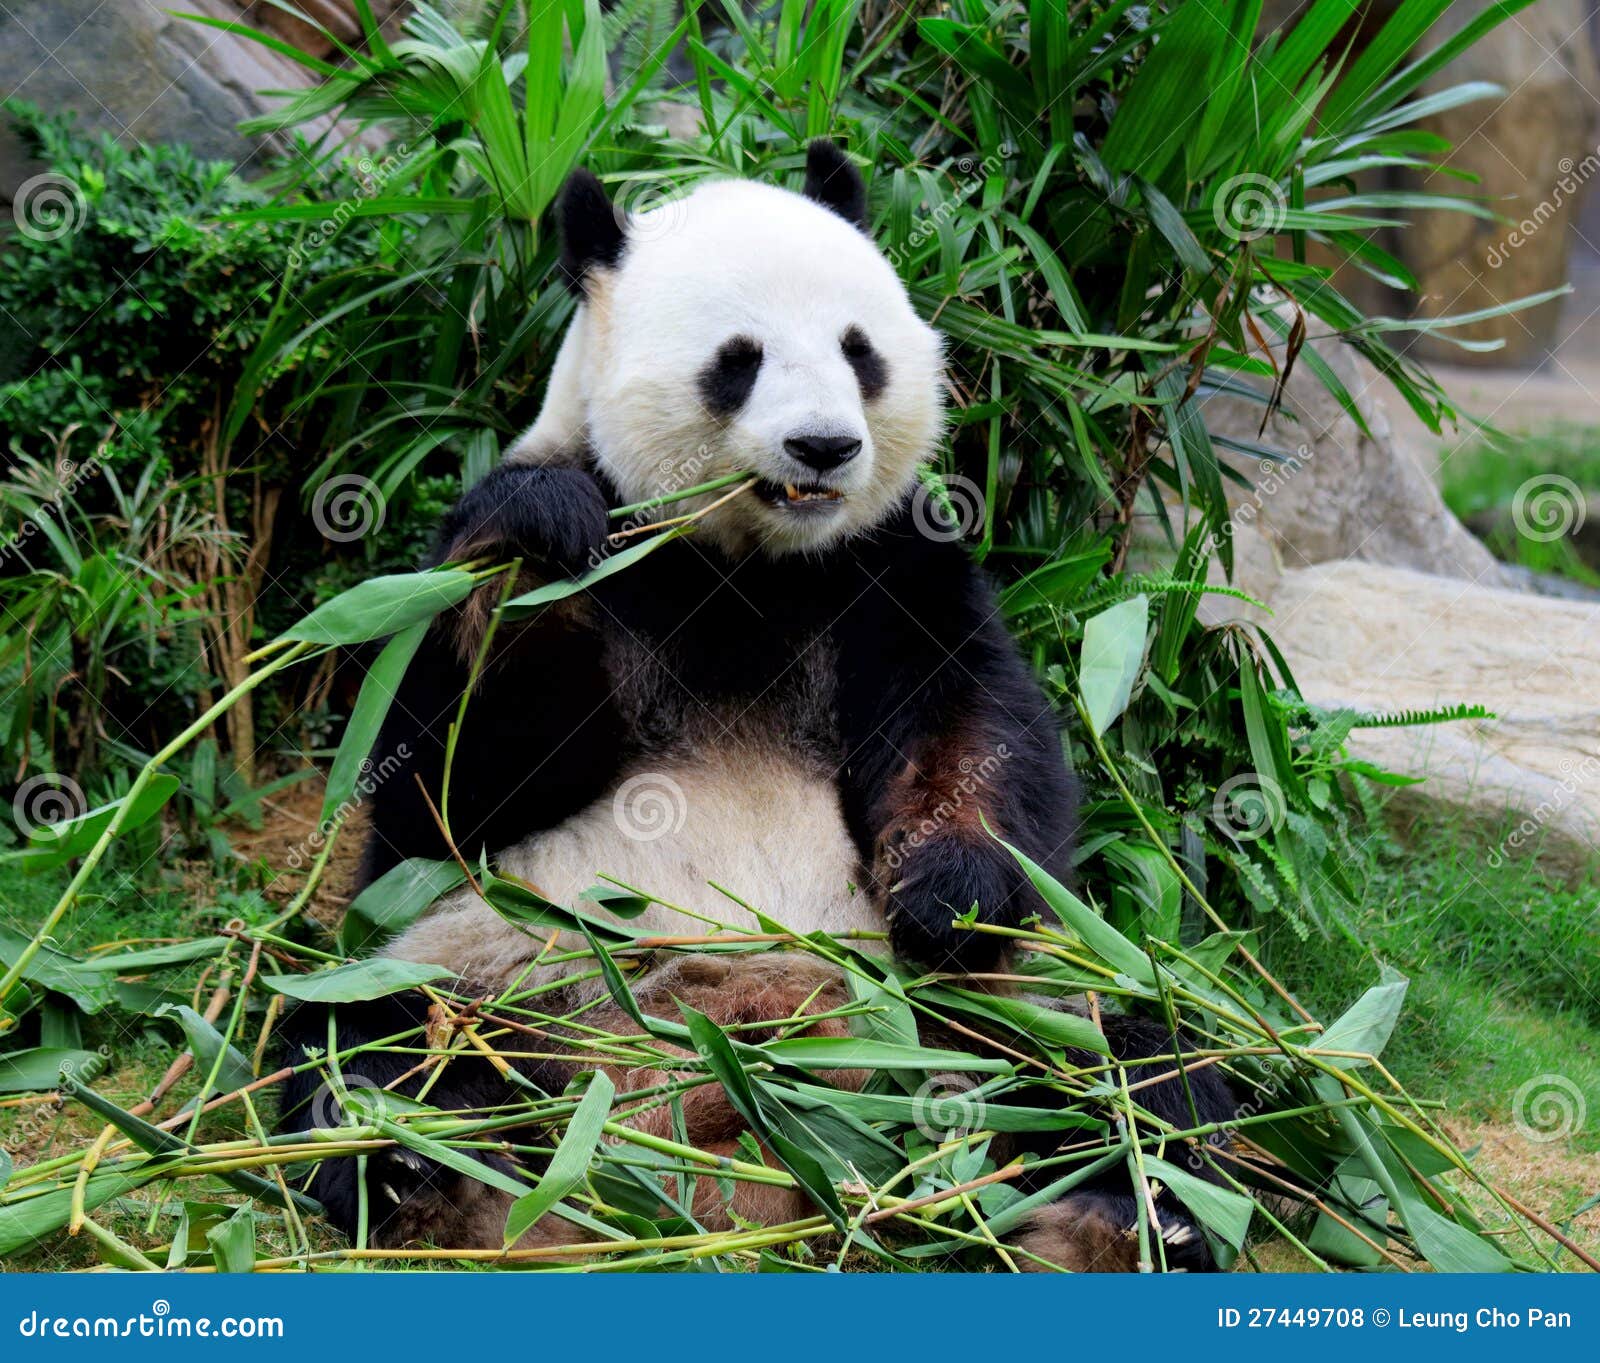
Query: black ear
x,y
591,232
834,182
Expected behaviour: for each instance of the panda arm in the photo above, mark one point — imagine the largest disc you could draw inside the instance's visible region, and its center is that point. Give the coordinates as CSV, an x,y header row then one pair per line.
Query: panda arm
x,y
948,732
541,737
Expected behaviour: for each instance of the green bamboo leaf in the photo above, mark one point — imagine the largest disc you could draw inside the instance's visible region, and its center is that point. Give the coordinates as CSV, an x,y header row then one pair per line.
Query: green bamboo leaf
x,y
713,1047
383,605
530,602
366,719
394,901
233,1242
52,845
40,1068
1095,933
207,1044
1113,649
177,953
1225,1213
1368,1024
356,982
571,1159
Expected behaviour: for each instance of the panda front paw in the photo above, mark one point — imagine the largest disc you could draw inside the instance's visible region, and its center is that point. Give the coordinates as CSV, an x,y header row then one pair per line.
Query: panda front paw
x,y
553,517
928,885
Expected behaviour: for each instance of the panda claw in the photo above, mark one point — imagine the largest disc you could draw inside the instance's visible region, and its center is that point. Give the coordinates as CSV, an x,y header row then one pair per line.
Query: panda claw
x,y
390,1193
1181,1234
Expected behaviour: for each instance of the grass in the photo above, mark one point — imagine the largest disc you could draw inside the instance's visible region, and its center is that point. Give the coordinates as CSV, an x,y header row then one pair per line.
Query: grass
x,y
1504,964
1481,483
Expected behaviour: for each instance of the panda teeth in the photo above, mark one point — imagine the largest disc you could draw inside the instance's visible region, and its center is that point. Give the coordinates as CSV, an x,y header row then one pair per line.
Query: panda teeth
x,y
810,494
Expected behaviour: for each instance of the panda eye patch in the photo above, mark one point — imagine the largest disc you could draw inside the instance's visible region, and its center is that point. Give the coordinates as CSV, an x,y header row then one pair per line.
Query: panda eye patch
x,y
727,379
871,371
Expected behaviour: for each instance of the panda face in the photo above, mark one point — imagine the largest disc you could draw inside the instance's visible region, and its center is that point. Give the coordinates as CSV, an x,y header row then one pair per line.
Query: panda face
x,y
747,329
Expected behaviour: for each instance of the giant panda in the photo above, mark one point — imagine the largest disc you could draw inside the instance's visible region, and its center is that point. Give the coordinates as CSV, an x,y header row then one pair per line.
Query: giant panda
x,y
810,701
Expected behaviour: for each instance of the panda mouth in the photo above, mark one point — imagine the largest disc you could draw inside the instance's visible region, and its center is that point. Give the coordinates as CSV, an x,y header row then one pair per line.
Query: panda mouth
x,y
807,497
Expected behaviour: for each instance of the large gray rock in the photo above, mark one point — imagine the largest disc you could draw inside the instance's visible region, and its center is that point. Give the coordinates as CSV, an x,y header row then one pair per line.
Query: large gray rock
x,y
1377,638
1347,492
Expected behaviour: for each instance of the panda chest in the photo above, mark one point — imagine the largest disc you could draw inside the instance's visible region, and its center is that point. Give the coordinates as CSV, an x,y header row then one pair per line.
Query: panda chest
x,y
731,777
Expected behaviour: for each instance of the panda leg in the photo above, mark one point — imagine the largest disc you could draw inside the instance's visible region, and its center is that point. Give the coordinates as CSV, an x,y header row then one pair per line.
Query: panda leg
x,y
1098,1232
760,994
409,1197
1095,1229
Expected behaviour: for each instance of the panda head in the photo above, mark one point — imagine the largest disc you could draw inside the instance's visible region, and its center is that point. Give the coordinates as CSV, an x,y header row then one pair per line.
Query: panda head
x,y
744,328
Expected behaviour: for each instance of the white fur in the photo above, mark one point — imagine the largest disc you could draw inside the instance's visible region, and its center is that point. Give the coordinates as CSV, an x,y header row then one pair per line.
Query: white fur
x,y
735,258
754,823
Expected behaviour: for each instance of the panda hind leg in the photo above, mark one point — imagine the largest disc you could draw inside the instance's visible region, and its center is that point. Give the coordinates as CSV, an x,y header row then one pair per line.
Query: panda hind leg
x,y
408,1198
1098,1232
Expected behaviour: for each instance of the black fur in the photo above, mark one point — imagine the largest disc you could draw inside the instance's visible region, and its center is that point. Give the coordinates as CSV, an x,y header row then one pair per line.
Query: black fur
x,y
555,517
927,680
833,181
538,719
591,230
404,1190
871,369
1204,1101
729,376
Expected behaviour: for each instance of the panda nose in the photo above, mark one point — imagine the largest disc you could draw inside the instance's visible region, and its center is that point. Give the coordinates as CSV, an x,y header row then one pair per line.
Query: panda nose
x,y
823,452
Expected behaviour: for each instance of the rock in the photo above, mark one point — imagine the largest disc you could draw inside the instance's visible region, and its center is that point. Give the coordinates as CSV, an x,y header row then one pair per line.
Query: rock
x,y
1378,638
1346,493
135,70
1534,152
